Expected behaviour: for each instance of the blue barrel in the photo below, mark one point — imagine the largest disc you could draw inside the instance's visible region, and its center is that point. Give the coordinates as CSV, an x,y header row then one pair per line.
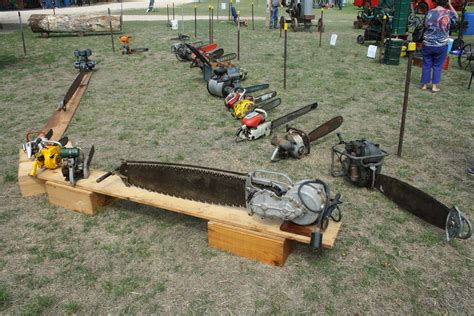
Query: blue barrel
x,y
469,17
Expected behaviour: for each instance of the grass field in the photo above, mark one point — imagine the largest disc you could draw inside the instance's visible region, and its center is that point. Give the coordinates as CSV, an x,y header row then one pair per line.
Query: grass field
x,y
135,259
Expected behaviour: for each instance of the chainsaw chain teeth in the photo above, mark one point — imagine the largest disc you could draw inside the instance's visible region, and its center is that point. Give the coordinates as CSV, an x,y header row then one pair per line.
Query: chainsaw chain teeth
x,y
189,182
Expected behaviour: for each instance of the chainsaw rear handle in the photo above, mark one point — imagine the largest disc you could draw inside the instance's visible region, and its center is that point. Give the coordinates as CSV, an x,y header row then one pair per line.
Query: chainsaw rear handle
x,y
341,141
106,175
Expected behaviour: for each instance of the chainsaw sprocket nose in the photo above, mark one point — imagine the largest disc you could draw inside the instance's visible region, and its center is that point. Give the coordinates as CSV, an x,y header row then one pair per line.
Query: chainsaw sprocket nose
x,y
201,184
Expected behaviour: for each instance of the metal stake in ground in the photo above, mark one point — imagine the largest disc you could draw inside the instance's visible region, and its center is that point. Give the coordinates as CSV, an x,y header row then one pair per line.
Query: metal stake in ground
x,y
212,24
253,21
382,37
320,26
217,12
285,27
111,32
411,48
238,35
173,10
210,40
195,22
22,34
168,14
230,4
121,14
53,3
182,18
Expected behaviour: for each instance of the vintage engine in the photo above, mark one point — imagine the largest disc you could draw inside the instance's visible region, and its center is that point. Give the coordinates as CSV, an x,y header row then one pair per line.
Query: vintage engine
x,y
295,143
82,60
225,80
361,160
274,195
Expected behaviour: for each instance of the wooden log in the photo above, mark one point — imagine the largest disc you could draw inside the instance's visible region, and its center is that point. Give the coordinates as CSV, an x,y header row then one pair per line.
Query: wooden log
x,y
81,23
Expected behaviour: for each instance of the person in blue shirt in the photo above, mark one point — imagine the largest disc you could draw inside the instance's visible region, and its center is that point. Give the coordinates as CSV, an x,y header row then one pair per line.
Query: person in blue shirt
x,y
273,5
435,42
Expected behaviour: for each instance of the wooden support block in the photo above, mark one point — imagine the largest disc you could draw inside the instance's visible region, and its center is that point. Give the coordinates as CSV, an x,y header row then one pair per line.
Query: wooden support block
x,y
29,186
76,199
248,244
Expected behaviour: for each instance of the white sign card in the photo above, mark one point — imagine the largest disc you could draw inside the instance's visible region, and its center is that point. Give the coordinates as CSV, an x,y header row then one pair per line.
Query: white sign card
x,y
371,51
223,6
333,40
237,1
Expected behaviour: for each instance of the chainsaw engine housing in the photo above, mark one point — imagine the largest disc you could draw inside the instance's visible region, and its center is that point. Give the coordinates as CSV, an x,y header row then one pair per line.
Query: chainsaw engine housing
x,y
274,195
224,81
294,144
361,160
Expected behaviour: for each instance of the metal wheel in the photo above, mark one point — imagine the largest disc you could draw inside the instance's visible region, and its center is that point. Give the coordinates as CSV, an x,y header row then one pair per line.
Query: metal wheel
x,y
360,39
422,7
465,57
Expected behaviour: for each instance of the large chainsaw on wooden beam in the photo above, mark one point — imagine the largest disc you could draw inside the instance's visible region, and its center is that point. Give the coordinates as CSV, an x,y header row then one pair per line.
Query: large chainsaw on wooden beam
x,y
266,194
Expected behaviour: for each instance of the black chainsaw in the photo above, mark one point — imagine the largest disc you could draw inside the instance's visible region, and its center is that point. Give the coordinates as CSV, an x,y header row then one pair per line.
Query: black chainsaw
x,y
361,164
296,143
255,124
84,64
226,80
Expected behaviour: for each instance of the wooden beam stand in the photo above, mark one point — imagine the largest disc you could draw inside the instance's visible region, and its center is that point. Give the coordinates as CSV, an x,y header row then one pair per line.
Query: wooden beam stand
x,y
76,199
248,244
230,229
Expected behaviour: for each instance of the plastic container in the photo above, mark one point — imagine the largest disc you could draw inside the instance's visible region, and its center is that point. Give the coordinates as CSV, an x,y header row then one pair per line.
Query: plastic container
x,y
393,49
174,24
469,17
400,18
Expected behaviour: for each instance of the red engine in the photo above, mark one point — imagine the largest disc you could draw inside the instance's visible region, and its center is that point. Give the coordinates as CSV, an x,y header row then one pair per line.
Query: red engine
x,y
233,98
252,120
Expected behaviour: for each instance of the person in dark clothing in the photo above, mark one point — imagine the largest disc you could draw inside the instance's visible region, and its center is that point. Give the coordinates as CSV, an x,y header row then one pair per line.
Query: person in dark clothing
x,y
435,42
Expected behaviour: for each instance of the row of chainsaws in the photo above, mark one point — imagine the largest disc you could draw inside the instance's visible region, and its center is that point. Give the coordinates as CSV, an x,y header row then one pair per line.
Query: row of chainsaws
x,y
245,103
360,160
263,193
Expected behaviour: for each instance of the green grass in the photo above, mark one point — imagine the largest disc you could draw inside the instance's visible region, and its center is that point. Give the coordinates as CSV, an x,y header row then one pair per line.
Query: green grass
x,y
137,259
38,305
4,297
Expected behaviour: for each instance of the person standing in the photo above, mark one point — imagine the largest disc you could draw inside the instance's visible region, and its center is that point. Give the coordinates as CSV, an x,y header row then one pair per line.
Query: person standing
x,y
150,6
435,42
273,5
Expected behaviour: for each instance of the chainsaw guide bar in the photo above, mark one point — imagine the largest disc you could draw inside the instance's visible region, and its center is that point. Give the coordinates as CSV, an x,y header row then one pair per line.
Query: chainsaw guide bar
x,y
190,182
72,89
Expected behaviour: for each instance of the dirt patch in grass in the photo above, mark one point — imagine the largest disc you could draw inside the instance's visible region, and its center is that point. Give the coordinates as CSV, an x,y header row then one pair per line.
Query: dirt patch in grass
x,y
136,259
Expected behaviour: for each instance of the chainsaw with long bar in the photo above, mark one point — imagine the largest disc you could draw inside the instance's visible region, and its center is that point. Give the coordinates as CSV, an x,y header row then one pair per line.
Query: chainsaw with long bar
x,y
255,125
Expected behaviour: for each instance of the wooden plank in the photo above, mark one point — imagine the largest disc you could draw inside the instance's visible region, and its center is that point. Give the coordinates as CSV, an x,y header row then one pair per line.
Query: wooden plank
x,y
248,244
237,217
59,121
75,199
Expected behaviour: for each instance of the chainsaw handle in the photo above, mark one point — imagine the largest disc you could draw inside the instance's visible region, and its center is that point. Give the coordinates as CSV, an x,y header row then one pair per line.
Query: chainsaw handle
x,y
341,141
104,176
